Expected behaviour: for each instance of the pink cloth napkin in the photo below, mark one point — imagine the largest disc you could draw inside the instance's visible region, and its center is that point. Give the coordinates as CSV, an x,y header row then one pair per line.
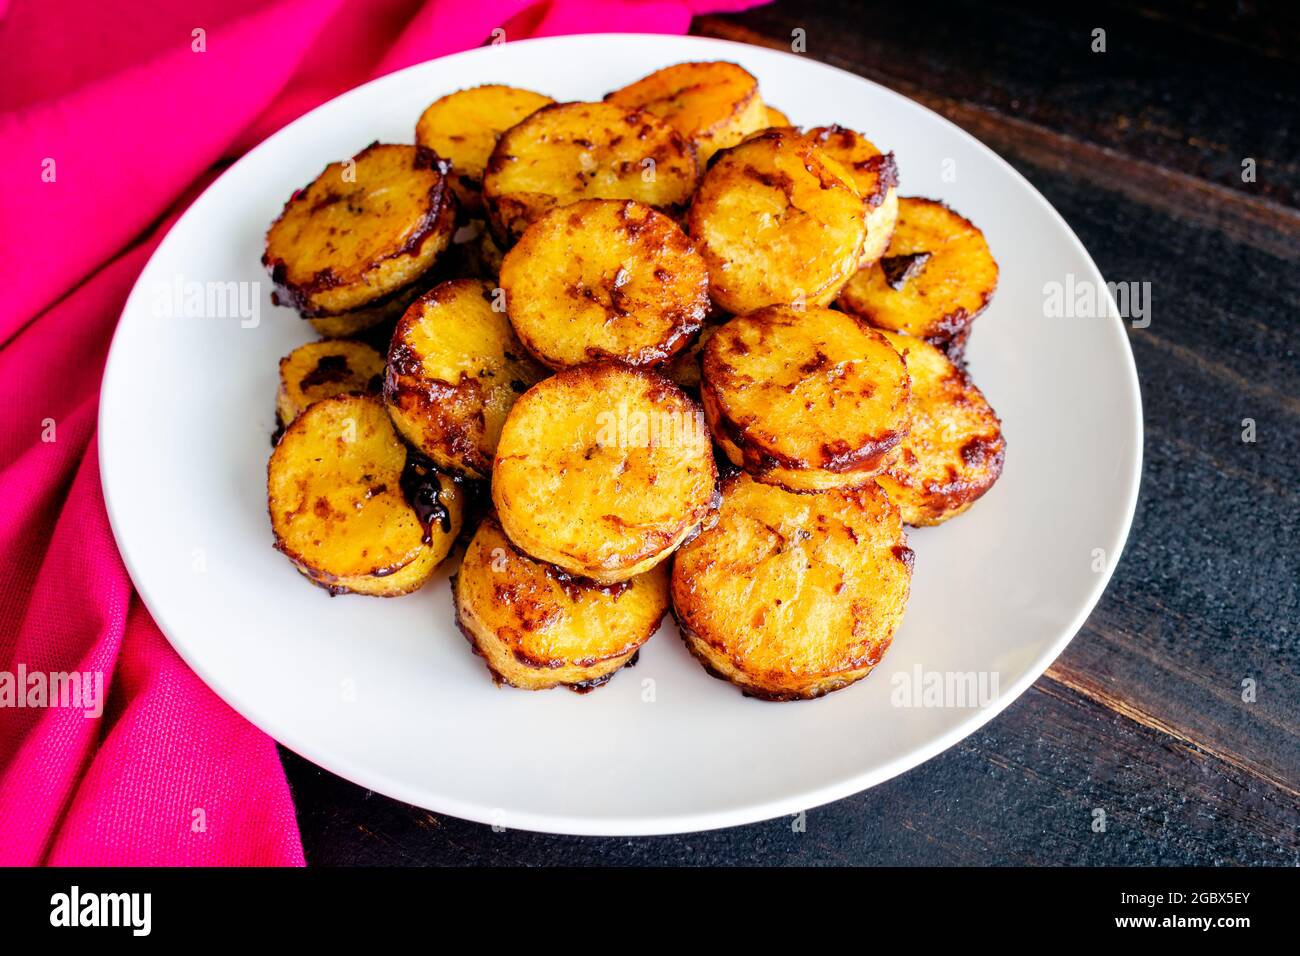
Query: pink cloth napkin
x,y
112,121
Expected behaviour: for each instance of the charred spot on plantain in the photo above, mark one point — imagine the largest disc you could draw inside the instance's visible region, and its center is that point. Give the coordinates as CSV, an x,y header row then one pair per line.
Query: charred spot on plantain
x,y
886,171
779,181
815,364
836,135
328,199
905,555
899,270
329,370
982,450
587,686
575,585
631,225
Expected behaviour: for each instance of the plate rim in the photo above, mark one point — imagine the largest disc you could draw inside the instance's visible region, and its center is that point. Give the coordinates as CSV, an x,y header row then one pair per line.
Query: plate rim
x,y
662,823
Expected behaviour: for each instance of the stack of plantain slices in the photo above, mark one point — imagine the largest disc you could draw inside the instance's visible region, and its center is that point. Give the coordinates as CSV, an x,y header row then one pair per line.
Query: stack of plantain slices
x,y
662,351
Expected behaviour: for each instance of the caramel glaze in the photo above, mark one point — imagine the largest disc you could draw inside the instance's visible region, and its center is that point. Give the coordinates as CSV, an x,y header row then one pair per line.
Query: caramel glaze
x,y
574,584
421,484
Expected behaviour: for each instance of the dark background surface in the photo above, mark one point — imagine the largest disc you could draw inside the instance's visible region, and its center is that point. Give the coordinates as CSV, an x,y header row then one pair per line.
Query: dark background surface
x,y
1141,150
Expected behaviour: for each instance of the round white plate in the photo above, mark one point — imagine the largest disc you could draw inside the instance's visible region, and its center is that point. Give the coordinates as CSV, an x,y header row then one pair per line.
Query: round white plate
x,y
387,693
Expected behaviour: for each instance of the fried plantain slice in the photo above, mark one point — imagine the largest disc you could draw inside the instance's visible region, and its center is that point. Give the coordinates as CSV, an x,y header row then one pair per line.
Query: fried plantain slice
x,y
779,222
323,369
362,230
875,174
350,509
713,104
955,449
936,277
793,596
603,469
455,367
809,400
604,278
538,627
571,151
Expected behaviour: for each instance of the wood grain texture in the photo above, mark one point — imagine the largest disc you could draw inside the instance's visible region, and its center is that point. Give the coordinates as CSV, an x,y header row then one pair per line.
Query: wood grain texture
x,y
1143,717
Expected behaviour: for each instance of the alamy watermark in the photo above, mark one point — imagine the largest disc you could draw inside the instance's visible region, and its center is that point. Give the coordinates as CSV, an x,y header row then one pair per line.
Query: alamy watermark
x,y
635,428
69,690
183,298
1077,298
133,911
943,689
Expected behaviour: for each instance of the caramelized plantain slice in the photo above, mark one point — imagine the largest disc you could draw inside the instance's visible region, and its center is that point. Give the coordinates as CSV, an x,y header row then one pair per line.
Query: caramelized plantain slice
x,y
454,369
875,174
464,126
809,400
349,509
572,151
936,277
793,596
361,231
779,222
538,627
324,369
955,449
713,105
604,278
603,469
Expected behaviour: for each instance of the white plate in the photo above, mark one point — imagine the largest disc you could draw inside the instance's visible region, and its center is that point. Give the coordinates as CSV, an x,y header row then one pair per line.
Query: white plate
x,y
387,693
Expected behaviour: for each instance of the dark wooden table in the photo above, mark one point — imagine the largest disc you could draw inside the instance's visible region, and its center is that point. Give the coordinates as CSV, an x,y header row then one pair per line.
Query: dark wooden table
x,y
1141,149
